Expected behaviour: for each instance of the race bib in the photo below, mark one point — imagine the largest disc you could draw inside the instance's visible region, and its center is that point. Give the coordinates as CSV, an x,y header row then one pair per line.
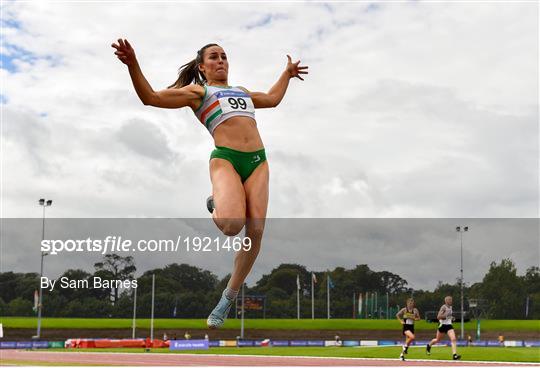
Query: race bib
x,y
231,101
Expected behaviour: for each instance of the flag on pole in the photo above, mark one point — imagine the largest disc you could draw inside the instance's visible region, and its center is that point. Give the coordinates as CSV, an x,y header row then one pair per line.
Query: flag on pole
x,y
367,300
175,304
360,301
36,301
329,285
313,278
298,282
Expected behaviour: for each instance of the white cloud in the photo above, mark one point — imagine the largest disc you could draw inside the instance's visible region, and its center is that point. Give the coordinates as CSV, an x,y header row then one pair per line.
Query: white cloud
x,y
410,109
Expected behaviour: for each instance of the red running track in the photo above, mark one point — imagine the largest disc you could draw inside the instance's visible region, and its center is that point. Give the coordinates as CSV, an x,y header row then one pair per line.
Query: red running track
x,y
155,359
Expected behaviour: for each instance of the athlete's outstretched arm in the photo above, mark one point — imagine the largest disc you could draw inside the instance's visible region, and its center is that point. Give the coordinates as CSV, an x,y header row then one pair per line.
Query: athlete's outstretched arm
x,y
169,98
274,96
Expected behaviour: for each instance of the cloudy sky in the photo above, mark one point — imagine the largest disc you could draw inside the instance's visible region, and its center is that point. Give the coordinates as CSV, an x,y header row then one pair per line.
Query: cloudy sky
x,y
411,109
422,251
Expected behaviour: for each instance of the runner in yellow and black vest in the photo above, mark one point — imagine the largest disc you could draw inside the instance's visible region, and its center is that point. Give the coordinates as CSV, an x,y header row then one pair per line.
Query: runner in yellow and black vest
x,y
407,316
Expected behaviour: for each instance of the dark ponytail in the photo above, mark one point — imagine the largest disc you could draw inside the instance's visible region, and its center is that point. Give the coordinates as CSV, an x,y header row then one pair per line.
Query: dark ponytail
x,y
190,72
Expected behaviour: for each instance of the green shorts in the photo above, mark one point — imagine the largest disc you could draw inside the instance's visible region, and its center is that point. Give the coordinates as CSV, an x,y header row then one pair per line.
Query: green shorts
x,y
243,162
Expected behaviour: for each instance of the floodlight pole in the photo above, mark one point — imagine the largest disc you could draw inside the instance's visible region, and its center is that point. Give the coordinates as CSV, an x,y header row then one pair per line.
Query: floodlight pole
x,y
44,203
133,323
461,230
152,310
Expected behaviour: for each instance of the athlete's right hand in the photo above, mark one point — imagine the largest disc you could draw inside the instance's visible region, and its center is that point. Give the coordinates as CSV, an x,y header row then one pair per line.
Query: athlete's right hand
x,y
124,52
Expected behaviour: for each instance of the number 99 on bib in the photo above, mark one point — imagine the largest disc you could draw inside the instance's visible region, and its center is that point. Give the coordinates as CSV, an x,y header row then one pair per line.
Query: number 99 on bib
x,y
232,101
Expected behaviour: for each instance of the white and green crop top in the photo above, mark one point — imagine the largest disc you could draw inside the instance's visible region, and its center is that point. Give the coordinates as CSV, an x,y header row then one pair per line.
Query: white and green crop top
x,y
222,103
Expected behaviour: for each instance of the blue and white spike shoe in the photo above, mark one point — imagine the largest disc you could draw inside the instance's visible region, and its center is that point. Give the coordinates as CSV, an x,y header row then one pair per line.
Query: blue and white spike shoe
x,y
217,318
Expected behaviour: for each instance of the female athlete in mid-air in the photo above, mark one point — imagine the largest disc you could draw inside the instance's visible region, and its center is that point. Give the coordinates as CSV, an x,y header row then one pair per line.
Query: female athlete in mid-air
x,y
238,166
445,327
406,317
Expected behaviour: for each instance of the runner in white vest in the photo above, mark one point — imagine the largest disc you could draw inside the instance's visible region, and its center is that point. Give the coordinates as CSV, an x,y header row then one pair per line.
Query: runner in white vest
x,y
445,327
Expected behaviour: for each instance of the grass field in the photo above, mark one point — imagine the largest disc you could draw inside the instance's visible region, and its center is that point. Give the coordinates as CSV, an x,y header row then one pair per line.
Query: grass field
x,y
271,324
438,353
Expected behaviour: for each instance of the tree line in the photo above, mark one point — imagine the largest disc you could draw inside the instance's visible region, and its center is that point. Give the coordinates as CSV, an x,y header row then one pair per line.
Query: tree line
x,y
185,291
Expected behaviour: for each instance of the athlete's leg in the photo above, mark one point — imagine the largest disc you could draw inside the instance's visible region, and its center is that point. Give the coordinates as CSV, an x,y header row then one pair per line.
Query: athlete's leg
x,y
409,338
229,199
437,338
404,347
452,336
229,214
256,192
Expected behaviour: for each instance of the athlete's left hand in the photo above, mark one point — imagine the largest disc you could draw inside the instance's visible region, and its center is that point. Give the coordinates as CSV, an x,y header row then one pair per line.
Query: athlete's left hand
x,y
294,69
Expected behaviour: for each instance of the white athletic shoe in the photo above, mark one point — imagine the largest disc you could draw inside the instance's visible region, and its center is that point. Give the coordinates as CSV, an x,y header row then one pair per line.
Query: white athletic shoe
x,y
217,318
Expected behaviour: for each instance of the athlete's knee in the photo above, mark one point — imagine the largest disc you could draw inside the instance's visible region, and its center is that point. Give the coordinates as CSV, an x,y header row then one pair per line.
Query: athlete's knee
x,y
232,227
255,227
411,337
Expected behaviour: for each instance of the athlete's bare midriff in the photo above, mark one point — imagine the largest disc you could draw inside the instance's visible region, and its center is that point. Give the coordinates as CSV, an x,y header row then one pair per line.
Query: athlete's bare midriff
x,y
239,133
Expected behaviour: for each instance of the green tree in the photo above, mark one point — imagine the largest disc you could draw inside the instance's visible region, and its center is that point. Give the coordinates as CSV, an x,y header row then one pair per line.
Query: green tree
x,y
115,267
532,280
54,304
3,308
532,287
20,307
124,306
504,291
71,293
175,278
74,308
96,308
366,279
284,277
392,283
12,284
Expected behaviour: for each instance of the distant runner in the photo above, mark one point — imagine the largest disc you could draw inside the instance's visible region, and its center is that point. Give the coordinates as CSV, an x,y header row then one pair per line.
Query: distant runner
x,y
445,327
406,317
